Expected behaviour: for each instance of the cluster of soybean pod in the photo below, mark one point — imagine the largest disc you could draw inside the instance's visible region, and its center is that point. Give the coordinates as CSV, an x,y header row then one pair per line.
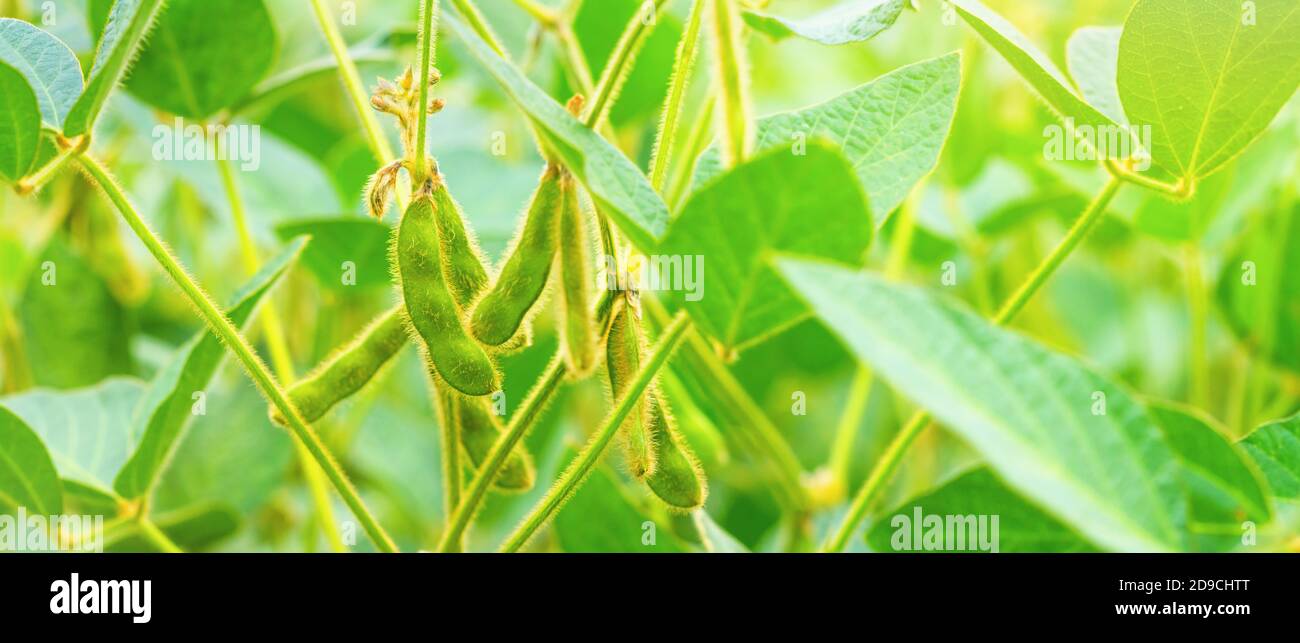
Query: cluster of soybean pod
x,y
463,318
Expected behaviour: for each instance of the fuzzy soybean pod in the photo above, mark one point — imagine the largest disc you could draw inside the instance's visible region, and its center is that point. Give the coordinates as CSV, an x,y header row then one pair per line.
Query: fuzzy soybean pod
x,y
578,326
499,314
462,259
678,479
479,430
623,353
350,369
457,359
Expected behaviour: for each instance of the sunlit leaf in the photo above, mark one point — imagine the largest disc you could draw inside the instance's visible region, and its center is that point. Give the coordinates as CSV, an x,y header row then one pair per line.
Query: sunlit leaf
x,y
1034,415
50,67
853,21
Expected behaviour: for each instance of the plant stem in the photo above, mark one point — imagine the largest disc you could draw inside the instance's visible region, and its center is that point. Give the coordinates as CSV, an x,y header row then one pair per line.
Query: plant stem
x,y
846,433
479,24
577,61
281,360
577,471
224,329
449,419
687,49
733,84
428,38
683,173
619,65
888,463
39,178
544,15
154,535
1182,191
1198,384
379,145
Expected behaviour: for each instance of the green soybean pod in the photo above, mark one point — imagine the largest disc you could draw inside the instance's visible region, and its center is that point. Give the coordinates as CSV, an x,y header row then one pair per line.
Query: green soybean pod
x,y
462,260
678,479
499,314
479,430
578,327
623,352
349,369
431,309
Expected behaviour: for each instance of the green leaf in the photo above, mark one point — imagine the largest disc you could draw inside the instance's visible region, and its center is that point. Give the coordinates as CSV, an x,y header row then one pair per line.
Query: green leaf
x,y
204,56
128,22
715,539
76,331
192,529
853,21
1259,291
763,206
1032,64
168,404
1092,55
232,455
1206,78
87,431
619,188
1223,487
891,129
964,500
1031,413
49,65
363,242
28,478
621,527
1275,448
20,125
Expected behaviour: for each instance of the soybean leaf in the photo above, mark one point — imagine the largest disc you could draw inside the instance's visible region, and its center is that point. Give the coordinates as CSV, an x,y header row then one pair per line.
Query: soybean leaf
x,y
1208,76
204,56
1259,292
128,22
77,333
853,21
168,404
891,129
959,505
715,539
20,125
87,431
619,188
28,478
1222,486
49,65
1068,440
337,242
763,206
231,455
621,528
1092,55
1032,64
1275,448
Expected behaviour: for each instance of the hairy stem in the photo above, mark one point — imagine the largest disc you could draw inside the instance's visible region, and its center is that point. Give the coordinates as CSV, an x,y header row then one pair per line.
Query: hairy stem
x,y
451,475
428,38
888,463
733,83
620,62
687,49
577,471
281,360
479,24
356,91
224,329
